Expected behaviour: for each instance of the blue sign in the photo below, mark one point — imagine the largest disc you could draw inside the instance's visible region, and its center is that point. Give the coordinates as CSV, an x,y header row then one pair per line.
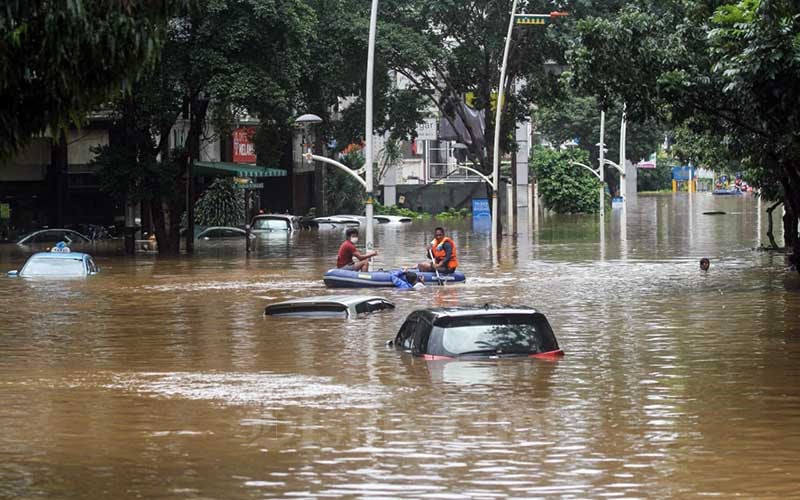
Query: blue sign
x,y
480,208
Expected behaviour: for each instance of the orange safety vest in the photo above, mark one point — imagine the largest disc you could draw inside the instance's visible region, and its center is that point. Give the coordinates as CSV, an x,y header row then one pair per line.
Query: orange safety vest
x,y
439,253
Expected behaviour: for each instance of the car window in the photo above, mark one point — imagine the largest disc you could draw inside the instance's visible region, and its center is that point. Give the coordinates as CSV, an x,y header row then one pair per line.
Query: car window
x,y
404,337
49,237
271,224
420,336
520,334
307,310
92,266
74,237
232,233
211,233
53,267
373,305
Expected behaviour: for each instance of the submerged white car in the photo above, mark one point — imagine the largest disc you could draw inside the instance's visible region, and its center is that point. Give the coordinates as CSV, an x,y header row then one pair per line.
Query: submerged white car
x,y
60,262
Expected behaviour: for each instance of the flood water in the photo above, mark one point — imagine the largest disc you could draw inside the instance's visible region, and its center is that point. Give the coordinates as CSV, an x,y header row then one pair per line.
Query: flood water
x,y
160,378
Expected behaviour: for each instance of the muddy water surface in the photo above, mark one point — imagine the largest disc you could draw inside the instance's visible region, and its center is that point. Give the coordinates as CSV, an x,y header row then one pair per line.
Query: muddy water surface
x,y
159,378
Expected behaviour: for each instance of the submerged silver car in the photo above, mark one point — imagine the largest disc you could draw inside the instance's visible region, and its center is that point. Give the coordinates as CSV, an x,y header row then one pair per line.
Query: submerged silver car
x,y
329,306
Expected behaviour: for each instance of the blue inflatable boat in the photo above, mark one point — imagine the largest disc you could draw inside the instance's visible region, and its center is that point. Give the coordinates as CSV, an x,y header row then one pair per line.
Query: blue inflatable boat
x,y
341,278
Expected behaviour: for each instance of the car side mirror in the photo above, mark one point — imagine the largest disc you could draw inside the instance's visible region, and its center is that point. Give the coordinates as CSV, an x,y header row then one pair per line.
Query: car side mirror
x,y
13,274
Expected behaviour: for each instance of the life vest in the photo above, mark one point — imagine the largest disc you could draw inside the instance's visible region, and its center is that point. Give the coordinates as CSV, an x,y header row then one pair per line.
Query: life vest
x,y
439,254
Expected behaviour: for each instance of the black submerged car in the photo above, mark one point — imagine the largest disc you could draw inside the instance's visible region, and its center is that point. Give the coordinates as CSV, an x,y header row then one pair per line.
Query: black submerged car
x,y
482,332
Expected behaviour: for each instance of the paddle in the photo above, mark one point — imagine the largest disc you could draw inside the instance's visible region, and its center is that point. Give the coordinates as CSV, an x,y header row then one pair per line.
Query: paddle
x,y
436,269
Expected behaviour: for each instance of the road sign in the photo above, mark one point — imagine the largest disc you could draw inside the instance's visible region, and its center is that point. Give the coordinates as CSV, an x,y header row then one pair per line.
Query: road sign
x,y
252,185
480,208
426,131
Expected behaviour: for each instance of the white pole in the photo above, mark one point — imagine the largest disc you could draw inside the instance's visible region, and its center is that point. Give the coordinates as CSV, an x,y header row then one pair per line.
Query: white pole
x,y
601,169
510,207
498,114
373,26
623,191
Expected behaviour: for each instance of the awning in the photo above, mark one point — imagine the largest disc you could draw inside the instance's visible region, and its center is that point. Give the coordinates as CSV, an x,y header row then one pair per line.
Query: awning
x,y
218,168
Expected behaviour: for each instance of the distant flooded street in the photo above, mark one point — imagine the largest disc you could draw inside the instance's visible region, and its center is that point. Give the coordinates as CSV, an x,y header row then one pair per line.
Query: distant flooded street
x,y
160,378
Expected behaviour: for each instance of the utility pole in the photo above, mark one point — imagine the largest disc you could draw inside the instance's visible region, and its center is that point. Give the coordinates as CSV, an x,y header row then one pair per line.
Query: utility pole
x,y
601,168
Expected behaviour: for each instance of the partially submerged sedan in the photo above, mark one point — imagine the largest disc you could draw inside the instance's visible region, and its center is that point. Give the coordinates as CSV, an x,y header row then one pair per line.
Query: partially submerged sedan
x,y
60,262
223,233
489,332
329,306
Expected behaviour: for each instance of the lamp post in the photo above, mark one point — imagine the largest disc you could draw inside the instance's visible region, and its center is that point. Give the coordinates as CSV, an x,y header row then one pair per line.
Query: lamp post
x,y
521,19
601,166
373,26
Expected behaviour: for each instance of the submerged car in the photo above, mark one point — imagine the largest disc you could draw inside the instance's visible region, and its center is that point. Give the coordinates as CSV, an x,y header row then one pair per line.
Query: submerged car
x,y
222,232
329,306
269,223
477,332
49,236
60,262
337,222
393,219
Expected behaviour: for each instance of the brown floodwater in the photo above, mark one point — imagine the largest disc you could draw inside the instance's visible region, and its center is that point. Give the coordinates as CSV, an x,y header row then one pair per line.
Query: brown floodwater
x,y
160,378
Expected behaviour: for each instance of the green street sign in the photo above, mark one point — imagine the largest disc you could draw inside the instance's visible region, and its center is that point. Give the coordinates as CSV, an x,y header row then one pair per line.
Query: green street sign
x,y
531,19
252,185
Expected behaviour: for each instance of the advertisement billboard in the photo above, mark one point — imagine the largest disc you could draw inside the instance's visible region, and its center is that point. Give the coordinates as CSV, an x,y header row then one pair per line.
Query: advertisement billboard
x,y
244,150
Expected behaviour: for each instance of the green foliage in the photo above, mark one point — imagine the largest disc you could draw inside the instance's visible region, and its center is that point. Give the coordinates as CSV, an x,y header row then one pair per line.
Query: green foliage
x,y
343,193
446,49
565,188
381,209
222,204
454,213
725,70
60,60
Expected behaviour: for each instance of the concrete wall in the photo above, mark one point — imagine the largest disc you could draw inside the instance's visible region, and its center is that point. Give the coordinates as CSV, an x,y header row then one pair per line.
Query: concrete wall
x,y
435,198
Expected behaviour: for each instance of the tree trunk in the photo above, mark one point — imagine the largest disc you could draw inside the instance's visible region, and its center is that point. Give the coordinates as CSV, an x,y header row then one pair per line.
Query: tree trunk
x,y
770,235
167,227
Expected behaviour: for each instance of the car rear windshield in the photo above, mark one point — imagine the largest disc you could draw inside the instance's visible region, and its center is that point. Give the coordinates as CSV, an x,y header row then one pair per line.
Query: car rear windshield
x,y
308,310
271,224
53,267
515,334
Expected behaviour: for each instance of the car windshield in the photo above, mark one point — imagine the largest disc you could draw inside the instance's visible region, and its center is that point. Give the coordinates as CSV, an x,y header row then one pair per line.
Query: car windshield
x,y
53,267
271,224
522,334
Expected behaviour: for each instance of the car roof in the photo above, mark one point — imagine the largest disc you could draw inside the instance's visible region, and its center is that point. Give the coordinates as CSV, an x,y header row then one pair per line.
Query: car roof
x,y
346,300
470,311
222,227
279,216
60,255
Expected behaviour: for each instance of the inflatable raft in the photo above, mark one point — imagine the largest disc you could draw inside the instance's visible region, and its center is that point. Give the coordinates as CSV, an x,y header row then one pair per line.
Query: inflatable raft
x,y
341,278
726,192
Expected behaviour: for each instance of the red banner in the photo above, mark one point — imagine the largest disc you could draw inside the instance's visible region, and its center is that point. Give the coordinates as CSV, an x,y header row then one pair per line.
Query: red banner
x,y
244,150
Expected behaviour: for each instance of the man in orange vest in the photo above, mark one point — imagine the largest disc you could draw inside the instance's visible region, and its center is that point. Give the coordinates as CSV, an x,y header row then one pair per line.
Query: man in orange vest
x,y
443,252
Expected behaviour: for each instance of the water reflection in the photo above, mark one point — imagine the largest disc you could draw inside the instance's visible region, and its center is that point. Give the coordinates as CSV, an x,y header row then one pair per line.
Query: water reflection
x,y
160,377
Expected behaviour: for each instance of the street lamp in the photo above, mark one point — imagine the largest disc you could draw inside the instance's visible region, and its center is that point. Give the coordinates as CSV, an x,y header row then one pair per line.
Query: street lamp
x,y
521,19
373,27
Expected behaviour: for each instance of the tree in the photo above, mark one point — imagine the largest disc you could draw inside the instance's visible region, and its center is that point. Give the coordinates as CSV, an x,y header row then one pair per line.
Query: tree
x,y
222,204
572,117
728,69
225,55
564,186
449,49
61,60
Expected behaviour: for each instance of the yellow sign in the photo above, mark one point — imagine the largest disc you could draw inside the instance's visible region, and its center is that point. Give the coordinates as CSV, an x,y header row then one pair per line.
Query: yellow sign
x,y
529,21
469,99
